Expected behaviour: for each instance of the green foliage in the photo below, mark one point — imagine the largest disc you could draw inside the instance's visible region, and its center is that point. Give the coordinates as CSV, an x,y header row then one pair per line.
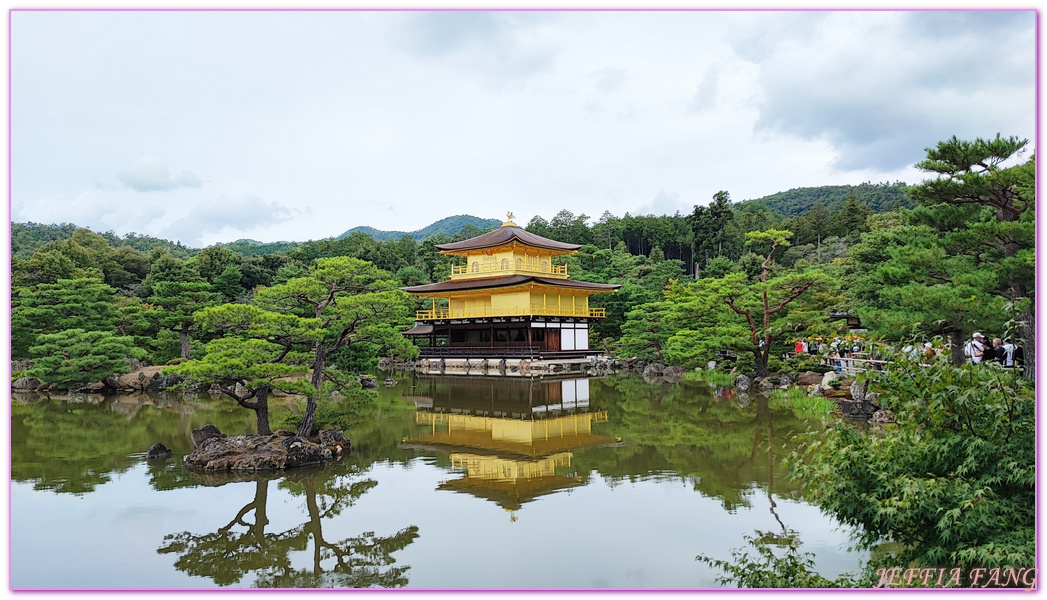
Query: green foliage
x,y
227,283
769,570
800,363
249,362
746,364
813,407
74,357
709,376
178,301
646,331
87,304
339,409
213,260
953,484
248,248
411,275
963,256
719,267
27,238
880,197
709,226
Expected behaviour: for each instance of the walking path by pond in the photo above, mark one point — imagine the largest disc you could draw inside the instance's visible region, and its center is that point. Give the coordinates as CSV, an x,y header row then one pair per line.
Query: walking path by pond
x,y
452,482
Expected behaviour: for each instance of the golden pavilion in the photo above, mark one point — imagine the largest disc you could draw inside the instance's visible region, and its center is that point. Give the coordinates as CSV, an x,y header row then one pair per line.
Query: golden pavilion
x,y
507,300
512,441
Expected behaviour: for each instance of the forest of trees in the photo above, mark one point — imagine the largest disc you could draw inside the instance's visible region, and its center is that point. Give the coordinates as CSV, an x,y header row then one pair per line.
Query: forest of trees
x,y
729,276
956,255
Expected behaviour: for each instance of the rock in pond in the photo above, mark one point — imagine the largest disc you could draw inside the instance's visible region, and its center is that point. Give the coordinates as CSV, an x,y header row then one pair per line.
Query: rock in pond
x,y
673,371
334,439
742,383
158,451
257,453
26,384
205,433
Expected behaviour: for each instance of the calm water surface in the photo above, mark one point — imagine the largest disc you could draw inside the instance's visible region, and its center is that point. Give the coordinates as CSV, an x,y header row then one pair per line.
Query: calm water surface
x,y
453,482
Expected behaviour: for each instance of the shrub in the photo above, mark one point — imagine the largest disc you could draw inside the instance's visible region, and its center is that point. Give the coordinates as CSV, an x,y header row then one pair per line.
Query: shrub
x,y
746,364
952,484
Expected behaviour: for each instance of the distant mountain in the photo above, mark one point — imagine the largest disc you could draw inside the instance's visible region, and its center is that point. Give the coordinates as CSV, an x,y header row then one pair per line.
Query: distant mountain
x,y
449,226
27,238
881,197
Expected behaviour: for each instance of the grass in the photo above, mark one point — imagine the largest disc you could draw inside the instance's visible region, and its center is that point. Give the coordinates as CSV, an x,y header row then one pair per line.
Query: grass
x,y
815,407
786,398
707,376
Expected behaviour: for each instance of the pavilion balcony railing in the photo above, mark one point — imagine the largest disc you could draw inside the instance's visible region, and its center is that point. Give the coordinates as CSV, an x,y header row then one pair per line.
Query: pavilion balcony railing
x,y
535,310
517,351
498,269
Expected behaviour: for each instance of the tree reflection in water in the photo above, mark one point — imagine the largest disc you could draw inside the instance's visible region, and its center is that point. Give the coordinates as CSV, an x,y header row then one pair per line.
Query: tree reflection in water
x,y
243,546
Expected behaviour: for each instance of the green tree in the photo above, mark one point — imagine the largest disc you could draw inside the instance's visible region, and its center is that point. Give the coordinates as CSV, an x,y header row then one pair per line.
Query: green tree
x,y
178,301
904,282
951,485
227,283
246,370
87,304
212,261
850,221
709,226
985,211
74,357
44,266
963,259
355,304
759,303
646,331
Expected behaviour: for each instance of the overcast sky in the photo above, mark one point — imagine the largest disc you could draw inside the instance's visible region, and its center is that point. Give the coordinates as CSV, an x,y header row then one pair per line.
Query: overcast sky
x,y
209,127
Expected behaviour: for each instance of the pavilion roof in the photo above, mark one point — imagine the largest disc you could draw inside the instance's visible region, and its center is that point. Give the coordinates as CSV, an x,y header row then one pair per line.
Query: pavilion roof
x,y
460,285
505,235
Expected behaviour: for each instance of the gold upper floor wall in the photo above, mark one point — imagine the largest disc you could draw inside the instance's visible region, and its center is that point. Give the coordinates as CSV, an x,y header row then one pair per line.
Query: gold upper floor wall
x,y
514,259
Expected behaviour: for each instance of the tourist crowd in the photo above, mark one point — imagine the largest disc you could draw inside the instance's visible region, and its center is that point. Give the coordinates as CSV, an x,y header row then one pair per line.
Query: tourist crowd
x,y
1004,352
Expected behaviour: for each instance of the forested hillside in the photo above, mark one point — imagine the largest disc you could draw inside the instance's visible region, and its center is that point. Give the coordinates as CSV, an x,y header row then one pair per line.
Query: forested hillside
x,y
447,226
897,269
27,238
880,197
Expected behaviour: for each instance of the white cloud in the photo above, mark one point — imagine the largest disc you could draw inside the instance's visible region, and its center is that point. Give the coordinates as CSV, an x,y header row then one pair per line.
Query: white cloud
x,y
235,217
150,174
98,210
664,203
609,80
499,46
882,87
351,113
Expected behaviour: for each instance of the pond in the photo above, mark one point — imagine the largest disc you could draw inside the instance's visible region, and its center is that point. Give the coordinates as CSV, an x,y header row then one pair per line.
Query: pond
x,y
452,482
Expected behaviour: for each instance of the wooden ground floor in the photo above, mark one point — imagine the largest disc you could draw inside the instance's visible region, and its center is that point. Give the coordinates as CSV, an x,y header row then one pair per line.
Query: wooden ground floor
x,y
506,337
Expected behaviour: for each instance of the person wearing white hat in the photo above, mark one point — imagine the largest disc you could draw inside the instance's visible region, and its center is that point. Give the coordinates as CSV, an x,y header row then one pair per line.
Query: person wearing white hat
x,y
975,348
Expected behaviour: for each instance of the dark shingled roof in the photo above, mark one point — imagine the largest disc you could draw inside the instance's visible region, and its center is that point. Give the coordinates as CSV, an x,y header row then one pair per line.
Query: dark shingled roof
x,y
420,330
504,235
509,280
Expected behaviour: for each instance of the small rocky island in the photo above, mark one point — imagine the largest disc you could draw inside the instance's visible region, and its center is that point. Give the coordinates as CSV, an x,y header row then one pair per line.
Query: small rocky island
x,y
216,451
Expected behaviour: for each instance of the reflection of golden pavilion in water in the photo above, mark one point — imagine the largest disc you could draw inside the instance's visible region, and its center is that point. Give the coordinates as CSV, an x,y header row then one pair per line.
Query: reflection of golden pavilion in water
x,y
513,438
